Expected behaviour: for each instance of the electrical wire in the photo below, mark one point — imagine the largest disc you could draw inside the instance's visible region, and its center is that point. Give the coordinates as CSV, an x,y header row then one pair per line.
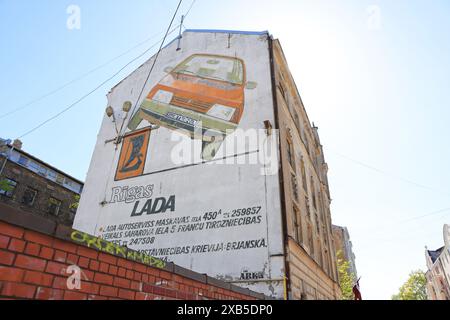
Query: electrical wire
x,y
52,92
152,66
148,76
424,216
167,33
387,173
84,75
189,10
93,90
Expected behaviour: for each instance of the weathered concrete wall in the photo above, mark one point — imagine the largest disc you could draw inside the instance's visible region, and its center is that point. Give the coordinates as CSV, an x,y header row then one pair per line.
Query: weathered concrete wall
x,y
233,208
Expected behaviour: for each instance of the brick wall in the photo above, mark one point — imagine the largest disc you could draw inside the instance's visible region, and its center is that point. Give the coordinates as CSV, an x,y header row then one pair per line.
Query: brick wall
x,y
33,265
45,189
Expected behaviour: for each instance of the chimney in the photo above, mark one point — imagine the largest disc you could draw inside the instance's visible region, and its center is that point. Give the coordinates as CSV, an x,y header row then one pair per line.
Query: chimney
x,y
17,144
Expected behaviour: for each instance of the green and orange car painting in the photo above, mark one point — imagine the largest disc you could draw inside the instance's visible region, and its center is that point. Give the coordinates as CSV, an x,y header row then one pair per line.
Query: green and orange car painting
x,y
204,89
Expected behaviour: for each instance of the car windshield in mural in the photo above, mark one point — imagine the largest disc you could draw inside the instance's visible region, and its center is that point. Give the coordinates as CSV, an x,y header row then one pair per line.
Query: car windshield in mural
x,y
203,95
216,68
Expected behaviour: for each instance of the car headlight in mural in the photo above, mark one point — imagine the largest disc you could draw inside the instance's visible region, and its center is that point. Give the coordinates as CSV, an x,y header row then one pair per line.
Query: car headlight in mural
x,y
204,88
163,96
221,112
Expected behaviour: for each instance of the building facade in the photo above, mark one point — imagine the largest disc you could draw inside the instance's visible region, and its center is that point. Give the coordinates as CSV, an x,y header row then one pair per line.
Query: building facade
x,y
343,244
438,273
216,167
310,254
36,187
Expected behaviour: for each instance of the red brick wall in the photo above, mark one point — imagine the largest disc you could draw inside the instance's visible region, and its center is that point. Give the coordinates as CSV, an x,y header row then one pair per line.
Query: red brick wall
x,y
33,266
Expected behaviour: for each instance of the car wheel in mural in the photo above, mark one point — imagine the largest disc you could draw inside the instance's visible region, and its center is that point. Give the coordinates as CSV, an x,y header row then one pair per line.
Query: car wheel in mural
x,y
203,92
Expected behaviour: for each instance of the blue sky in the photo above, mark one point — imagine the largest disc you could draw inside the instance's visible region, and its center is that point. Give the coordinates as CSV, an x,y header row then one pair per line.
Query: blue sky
x,y
377,90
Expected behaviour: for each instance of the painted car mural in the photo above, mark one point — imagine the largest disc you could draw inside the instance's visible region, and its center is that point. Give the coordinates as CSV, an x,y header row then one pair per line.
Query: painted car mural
x,y
203,92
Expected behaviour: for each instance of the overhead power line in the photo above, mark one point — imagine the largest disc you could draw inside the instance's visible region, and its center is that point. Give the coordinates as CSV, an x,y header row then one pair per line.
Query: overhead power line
x,y
424,216
393,176
153,65
190,7
92,91
84,75
168,32
384,235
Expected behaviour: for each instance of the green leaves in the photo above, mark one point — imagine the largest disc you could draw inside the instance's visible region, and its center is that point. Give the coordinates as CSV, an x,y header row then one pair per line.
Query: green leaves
x,y
414,288
346,279
76,202
5,185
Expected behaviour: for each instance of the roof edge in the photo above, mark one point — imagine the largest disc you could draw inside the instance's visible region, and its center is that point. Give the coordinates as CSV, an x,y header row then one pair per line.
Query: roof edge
x,y
256,33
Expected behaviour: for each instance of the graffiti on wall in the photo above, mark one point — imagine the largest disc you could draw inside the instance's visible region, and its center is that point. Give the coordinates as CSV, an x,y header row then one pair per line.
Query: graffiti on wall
x,y
115,249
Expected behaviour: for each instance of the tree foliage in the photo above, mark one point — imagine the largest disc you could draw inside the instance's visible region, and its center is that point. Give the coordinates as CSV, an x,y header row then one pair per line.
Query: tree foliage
x,y
76,202
346,278
414,288
5,186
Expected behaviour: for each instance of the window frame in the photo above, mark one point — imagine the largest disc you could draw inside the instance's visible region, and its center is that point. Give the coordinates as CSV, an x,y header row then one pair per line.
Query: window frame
x,y
49,205
34,197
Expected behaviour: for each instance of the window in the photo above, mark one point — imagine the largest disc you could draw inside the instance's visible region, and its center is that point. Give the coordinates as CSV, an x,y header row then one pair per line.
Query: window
x,y
7,187
308,209
297,120
306,143
73,209
283,92
297,225
310,241
29,196
290,150
23,160
326,261
317,224
305,184
53,206
294,186
313,193
59,179
51,175
33,166
42,171
319,253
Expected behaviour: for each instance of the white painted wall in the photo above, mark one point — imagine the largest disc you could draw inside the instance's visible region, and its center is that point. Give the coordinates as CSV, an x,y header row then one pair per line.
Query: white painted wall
x,y
201,188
